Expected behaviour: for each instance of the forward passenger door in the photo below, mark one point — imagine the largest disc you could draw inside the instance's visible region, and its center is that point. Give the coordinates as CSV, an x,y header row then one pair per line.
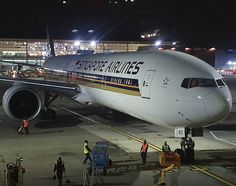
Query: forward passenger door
x,y
146,85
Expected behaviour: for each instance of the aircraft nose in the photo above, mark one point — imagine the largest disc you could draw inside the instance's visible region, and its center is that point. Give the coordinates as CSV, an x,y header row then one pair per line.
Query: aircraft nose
x,y
218,105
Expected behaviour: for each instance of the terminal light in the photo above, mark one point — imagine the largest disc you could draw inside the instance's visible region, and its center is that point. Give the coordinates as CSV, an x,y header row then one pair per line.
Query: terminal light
x,y
90,31
74,30
174,43
158,43
212,49
93,43
231,62
187,49
63,1
77,43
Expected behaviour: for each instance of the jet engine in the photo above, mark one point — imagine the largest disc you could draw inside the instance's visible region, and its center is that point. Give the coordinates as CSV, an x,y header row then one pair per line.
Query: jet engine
x,y
21,102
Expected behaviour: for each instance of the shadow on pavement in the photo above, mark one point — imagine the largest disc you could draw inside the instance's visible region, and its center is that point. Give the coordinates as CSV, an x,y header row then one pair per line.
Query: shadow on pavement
x,y
61,121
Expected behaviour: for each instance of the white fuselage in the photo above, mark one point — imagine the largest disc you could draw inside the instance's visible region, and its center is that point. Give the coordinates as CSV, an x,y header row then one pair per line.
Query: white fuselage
x,y
147,85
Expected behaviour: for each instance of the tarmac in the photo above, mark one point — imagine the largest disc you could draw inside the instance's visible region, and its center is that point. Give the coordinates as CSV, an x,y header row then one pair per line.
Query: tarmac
x,y
47,140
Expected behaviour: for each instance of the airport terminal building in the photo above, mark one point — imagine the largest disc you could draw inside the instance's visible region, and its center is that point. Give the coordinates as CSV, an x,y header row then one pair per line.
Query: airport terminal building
x,y
36,50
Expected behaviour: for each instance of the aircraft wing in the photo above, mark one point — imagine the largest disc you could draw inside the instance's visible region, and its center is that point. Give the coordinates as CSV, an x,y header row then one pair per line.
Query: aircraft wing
x,y
20,63
60,88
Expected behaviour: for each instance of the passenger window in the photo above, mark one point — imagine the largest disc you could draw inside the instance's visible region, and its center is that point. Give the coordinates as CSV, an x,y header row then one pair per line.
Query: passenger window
x,y
185,83
194,83
220,83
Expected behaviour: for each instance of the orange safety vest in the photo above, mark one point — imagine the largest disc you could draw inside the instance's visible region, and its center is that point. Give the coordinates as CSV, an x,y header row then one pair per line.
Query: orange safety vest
x,y
26,123
144,147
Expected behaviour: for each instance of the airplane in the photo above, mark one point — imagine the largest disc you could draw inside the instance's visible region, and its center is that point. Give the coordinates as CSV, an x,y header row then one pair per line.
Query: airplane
x,y
167,88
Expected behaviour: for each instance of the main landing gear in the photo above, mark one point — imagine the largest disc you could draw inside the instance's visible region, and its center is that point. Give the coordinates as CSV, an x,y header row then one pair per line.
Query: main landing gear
x,y
47,113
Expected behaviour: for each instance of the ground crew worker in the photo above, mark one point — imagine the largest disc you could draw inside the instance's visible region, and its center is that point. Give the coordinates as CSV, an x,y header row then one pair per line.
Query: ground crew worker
x,y
189,152
166,147
183,143
190,143
87,151
59,169
143,151
26,126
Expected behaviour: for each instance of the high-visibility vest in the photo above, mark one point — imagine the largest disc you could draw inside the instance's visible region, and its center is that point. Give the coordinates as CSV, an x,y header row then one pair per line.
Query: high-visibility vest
x,y
144,147
26,123
85,149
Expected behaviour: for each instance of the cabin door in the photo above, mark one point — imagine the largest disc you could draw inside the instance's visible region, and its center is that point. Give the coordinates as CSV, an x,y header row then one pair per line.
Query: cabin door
x,y
146,85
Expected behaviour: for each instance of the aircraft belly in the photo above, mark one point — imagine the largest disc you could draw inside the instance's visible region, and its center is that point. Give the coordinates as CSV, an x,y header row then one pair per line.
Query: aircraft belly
x,y
132,105
118,101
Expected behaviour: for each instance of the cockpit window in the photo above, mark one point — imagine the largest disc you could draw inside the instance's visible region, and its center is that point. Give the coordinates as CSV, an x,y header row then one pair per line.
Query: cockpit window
x,y
220,83
194,83
185,83
207,83
198,82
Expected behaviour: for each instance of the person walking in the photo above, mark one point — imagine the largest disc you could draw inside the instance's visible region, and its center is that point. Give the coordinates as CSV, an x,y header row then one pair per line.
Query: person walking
x,y
59,169
26,126
87,151
143,151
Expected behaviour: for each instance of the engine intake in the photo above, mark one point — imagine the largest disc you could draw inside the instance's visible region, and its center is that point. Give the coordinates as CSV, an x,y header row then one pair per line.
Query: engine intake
x,y
21,102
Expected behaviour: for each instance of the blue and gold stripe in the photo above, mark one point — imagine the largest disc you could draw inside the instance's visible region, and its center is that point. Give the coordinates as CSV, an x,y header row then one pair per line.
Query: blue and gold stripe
x,y
122,85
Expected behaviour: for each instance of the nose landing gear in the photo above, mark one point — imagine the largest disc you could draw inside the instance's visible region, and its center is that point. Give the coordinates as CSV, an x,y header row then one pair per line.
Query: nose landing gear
x,y
187,145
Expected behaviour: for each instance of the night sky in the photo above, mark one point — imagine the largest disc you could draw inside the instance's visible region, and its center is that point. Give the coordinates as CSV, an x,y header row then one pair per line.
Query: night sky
x,y
199,23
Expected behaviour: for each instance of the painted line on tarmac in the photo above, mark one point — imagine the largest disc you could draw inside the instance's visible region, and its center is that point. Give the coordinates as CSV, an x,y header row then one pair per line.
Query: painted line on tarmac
x,y
111,128
220,139
212,175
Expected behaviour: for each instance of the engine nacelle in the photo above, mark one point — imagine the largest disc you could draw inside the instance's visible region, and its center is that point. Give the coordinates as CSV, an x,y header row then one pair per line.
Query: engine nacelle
x,y
21,102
